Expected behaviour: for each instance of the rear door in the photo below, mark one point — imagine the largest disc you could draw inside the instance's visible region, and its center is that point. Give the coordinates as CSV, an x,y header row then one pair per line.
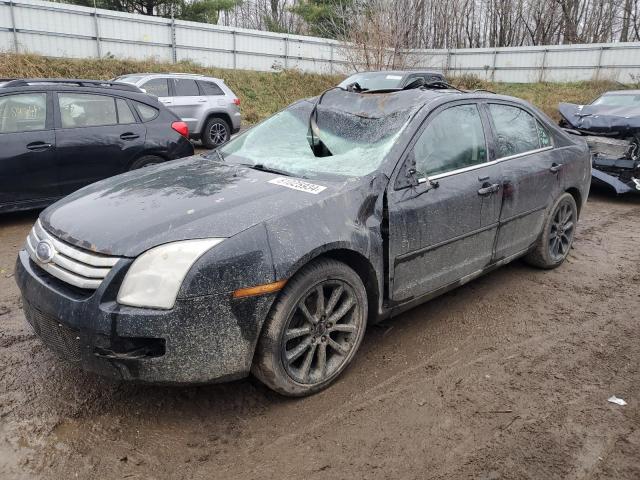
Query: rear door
x,y
441,234
187,102
28,172
97,135
531,173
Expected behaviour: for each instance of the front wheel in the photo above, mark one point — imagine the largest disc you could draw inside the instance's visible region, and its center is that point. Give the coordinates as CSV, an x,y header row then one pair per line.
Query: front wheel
x,y
556,239
313,330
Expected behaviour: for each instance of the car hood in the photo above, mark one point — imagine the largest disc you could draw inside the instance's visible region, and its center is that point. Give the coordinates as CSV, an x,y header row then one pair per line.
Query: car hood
x,y
618,121
186,199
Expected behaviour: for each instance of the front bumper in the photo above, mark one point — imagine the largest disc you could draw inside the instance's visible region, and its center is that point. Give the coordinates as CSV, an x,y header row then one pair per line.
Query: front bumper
x,y
201,340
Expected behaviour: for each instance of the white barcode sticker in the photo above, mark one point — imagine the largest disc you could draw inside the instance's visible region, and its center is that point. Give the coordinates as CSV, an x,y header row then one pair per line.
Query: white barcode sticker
x,y
298,185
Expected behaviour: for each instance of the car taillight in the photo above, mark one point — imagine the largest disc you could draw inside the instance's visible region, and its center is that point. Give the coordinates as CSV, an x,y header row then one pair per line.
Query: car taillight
x,y
182,128
236,101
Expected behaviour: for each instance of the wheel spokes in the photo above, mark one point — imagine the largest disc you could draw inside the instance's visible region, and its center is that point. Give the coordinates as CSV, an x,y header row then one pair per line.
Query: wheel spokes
x,y
296,332
306,365
293,354
333,300
343,310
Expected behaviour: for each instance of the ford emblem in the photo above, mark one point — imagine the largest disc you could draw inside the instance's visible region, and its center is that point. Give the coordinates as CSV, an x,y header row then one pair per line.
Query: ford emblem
x,y
45,251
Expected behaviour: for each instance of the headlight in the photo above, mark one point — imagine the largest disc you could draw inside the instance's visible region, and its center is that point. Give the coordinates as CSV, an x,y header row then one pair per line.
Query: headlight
x,y
156,276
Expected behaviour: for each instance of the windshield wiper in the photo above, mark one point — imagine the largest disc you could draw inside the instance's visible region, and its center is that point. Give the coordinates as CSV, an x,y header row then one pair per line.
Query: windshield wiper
x,y
262,168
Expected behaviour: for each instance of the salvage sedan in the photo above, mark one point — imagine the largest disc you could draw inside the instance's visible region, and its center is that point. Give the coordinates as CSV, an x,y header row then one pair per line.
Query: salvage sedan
x,y
273,253
611,127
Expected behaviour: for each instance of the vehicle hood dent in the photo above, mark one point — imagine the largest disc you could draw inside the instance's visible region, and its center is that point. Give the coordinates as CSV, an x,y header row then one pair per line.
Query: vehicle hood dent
x,y
605,119
192,198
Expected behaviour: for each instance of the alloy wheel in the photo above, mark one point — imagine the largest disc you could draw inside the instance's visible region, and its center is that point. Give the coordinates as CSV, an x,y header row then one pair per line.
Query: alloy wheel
x,y
218,134
562,230
321,333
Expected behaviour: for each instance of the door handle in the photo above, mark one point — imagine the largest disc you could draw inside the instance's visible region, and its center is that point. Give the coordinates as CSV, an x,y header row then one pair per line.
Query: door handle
x,y
202,100
555,167
129,136
38,146
488,189
165,102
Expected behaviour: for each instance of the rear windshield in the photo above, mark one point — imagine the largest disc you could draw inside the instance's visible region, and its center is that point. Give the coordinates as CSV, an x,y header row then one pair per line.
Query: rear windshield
x,y
358,144
375,81
618,100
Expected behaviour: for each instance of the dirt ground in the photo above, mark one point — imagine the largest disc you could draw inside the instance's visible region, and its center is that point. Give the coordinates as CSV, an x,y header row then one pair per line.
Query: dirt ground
x,y
506,378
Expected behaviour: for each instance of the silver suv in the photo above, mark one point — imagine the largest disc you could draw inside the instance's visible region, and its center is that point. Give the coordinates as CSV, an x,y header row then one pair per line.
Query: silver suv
x,y
205,104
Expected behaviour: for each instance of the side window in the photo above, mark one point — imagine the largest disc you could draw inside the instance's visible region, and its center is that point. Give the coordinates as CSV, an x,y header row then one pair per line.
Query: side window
x,y
145,111
517,130
86,110
453,139
210,88
25,112
157,86
185,87
124,112
545,138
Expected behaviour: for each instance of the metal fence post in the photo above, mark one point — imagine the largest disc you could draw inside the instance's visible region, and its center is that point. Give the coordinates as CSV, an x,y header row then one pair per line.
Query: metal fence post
x,y
286,52
447,64
174,53
13,27
493,67
599,64
235,50
544,65
331,58
97,28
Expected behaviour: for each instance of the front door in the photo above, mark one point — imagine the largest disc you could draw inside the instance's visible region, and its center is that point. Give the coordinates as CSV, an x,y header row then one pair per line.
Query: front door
x,y
443,229
98,136
531,171
28,173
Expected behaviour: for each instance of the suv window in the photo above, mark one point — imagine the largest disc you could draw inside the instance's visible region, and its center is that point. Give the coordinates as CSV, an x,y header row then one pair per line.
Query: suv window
x,y
185,87
156,86
24,112
517,131
454,139
210,88
86,110
145,111
124,112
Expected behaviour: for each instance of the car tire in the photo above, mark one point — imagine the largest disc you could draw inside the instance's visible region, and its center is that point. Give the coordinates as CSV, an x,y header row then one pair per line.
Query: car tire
x,y
302,352
216,132
145,161
556,239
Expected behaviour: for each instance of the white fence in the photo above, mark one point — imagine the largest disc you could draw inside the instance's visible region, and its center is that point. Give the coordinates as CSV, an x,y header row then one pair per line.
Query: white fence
x,y
62,30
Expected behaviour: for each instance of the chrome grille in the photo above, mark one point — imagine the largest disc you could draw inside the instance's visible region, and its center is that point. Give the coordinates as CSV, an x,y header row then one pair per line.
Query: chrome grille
x,y
75,266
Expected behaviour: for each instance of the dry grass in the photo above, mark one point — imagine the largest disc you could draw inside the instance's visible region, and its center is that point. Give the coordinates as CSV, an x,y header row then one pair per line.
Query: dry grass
x,y
260,93
263,93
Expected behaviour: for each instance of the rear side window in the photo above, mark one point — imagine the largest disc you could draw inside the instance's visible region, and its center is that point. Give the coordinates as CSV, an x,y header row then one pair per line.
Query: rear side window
x,y
185,87
454,139
210,88
157,86
545,138
146,112
517,131
86,110
25,112
124,112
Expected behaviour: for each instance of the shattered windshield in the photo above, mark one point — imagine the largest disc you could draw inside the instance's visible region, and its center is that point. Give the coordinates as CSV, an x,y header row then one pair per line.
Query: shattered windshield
x,y
619,100
358,143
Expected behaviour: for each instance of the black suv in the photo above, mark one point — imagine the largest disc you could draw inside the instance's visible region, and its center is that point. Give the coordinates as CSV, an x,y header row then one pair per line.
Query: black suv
x,y
57,136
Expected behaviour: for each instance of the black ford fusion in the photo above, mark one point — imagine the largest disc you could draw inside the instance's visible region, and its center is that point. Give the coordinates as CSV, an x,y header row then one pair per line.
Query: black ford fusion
x,y
273,253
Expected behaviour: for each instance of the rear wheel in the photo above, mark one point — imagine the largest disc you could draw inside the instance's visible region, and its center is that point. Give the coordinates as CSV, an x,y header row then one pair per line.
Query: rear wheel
x,y
556,239
145,161
216,132
313,330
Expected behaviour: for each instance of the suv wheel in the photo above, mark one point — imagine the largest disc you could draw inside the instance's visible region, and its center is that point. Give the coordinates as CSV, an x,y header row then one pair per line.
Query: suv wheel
x,y
313,330
216,132
556,239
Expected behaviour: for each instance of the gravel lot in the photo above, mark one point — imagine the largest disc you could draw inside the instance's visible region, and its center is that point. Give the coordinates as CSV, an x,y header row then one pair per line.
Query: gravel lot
x,y
505,378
